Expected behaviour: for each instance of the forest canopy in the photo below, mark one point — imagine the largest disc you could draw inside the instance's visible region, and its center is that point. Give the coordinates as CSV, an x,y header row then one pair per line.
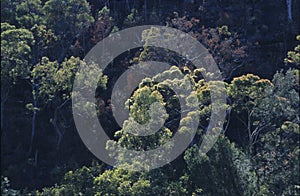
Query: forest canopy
x,y
256,47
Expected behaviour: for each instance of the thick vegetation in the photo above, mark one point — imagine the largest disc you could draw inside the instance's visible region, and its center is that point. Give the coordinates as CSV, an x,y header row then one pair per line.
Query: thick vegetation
x,y
255,45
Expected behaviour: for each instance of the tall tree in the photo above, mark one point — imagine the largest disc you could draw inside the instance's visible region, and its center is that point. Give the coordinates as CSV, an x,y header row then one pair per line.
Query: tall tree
x,y
246,94
29,13
68,19
224,170
277,160
52,88
16,56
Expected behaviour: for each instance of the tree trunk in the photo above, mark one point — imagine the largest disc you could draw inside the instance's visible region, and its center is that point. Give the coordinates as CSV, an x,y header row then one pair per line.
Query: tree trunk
x,y
289,10
58,130
127,6
2,112
4,95
145,10
33,121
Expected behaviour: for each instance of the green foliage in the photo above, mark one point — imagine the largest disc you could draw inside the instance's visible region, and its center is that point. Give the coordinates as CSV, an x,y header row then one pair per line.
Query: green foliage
x,y
52,86
44,74
122,182
6,26
152,36
225,170
203,90
133,19
286,94
7,11
293,57
155,182
244,91
44,40
250,99
15,52
263,115
60,14
146,113
103,25
29,13
56,80
86,79
278,158
224,31
67,17
142,100
104,11
78,182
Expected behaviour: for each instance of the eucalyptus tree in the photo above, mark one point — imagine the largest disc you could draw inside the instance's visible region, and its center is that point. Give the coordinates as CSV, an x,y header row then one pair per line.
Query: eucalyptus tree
x,y
53,83
68,19
29,13
16,56
277,160
293,57
224,170
246,94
